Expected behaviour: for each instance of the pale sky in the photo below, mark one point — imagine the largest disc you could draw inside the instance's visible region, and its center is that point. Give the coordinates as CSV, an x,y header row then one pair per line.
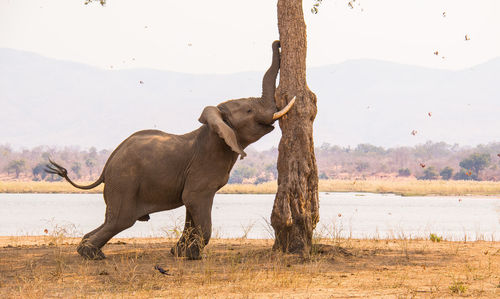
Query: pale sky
x,y
214,36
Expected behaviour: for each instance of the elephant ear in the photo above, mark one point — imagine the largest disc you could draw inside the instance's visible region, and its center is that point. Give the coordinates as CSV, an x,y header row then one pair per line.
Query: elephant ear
x,y
212,117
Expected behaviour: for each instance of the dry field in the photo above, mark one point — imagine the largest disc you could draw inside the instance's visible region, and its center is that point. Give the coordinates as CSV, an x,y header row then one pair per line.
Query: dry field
x,y
407,187
44,267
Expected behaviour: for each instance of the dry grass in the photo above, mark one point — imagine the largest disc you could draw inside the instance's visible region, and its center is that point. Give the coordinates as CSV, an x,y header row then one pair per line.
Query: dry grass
x,y
44,187
405,187
413,187
31,268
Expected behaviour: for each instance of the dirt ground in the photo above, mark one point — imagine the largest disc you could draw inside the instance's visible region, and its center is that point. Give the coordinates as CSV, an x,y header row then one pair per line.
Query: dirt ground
x,y
48,266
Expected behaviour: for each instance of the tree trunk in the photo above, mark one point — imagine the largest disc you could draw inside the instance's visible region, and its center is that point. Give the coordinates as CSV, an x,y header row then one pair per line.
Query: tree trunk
x,y
296,206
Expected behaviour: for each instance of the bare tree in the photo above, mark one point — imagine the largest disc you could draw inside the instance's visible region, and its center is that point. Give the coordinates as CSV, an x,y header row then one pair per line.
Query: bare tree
x,y
296,206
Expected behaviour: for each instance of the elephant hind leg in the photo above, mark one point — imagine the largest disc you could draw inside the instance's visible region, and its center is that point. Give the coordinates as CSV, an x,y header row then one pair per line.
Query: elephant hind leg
x,y
92,232
89,251
90,248
86,249
120,215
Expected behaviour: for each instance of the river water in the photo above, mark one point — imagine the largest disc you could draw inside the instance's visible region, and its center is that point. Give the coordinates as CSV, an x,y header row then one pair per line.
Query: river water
x,y
356,215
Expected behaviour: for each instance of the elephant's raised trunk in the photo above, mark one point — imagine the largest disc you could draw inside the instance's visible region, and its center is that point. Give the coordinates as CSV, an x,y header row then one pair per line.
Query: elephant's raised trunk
x,y
269,80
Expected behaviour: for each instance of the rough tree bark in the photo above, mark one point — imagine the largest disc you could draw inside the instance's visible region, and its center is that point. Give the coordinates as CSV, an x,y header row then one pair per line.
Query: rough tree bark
x,y
296,206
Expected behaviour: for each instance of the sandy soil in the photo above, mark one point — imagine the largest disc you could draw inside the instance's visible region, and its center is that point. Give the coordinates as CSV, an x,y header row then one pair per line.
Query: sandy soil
x,y
48,266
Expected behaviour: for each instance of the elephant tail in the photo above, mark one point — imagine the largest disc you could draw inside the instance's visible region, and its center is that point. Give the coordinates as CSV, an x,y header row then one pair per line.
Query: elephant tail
x,y
55,168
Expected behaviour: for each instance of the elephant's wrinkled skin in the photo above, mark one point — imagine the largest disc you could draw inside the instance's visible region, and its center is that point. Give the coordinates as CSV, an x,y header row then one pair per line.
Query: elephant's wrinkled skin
x,y
154,171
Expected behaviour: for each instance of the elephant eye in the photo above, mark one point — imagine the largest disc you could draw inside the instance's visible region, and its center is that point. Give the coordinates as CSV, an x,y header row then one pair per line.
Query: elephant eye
x,y
249,111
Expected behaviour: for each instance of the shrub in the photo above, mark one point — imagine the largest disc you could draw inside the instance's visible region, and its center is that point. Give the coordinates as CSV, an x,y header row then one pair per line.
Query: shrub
x,y
476,162
240,173
429,174
360,166
39,172
16,166
465,175
446,173
260,180
458,287
435,238
404,172
76,168
368,148
53,178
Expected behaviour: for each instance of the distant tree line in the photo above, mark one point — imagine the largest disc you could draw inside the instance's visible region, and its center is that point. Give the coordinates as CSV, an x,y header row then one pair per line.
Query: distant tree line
x,y
30,164
429,161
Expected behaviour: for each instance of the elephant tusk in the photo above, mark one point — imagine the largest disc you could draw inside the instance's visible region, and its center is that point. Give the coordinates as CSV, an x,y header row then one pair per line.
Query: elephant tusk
x,y
284,110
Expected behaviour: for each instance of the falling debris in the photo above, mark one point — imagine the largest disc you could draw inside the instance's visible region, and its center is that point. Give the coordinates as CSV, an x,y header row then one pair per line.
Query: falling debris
x,y
315,7
459,200
422,165
340,215
430,113
141,82
46,231
414,132
444,14
436,53
467,37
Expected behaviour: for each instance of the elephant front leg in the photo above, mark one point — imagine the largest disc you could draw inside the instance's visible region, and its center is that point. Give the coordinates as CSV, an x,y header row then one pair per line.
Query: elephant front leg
x,y
180,248
197,229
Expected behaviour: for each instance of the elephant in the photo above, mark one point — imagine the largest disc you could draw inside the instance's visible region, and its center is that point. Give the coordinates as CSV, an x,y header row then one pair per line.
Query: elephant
x,y
154,171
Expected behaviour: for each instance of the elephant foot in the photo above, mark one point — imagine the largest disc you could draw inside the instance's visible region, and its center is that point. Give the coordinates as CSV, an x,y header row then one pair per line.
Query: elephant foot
x,y
90,252
192,252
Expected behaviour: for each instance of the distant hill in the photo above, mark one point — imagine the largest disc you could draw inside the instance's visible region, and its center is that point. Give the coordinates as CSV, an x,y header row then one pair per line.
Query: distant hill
x,y
50,102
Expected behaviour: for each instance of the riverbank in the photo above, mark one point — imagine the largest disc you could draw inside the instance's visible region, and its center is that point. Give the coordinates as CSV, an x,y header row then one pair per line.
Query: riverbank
x,y
405,187
48,266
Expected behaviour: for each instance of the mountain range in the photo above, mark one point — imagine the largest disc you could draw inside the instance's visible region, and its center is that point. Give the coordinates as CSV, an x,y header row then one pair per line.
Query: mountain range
x,y
44,101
